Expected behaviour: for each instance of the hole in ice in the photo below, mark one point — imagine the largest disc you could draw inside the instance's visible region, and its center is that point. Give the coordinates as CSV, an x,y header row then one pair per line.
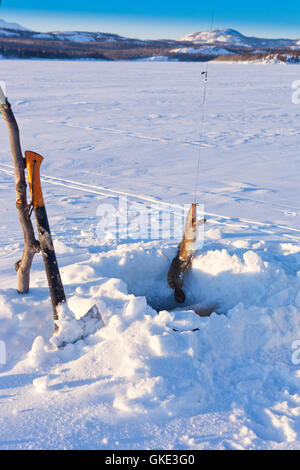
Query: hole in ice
x,y
160,303
168,303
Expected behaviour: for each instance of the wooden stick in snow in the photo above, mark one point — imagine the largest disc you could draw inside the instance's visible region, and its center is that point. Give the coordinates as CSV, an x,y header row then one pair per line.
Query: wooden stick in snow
x,y
31,245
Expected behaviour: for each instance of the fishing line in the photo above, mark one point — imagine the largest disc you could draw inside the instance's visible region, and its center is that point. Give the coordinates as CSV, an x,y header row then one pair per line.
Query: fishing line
x,y
205,74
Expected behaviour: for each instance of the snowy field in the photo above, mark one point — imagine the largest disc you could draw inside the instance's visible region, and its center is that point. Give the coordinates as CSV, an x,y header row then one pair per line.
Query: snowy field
x,y
110,130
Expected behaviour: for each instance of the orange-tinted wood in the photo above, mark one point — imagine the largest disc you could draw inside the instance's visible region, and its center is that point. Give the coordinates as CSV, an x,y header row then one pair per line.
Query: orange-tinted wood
x,y
33,164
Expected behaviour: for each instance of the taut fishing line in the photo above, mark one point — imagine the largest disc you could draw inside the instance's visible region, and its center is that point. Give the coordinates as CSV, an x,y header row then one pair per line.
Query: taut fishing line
x,y
205,75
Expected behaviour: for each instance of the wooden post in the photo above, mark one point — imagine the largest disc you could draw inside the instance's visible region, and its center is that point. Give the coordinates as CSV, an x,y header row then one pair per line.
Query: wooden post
x,y
31,245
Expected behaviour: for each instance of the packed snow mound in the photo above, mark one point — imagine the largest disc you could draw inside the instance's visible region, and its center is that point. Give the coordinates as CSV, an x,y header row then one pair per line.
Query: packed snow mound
x,y
169,362
146,343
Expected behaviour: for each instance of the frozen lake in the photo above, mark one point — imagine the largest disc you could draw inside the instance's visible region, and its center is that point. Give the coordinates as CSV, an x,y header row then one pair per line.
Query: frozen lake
x,y
132,129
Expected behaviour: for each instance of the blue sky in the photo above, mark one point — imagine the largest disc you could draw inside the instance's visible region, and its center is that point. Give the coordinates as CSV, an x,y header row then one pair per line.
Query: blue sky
x,y
156,18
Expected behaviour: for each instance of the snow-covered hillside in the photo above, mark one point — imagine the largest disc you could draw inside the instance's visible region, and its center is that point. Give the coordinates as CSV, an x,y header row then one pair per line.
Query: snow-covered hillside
x,y
7,25
225,37
13,30
80,36
110,131
231,37
228,36
210,50
19,42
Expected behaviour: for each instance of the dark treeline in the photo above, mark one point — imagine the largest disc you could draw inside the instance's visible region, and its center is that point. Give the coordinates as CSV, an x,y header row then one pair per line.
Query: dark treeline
x,y
27,48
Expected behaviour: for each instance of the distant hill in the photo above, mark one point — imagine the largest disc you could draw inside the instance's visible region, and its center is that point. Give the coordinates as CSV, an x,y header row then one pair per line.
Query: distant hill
x,y
220,44
231,37
11,26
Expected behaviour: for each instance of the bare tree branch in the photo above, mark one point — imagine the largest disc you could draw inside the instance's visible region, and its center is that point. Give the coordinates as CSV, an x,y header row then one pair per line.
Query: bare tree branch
x,y
31,245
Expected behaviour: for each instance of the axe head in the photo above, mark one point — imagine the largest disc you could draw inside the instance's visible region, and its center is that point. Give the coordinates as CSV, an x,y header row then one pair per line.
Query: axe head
x,y
85,326
93,312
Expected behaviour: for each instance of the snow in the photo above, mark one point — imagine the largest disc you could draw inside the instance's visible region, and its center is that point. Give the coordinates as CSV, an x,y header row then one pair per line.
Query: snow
x,y
41,384
155,58
3,32
74,36
273,59
202,50
7,25
232,37
42,36
143,379
229,36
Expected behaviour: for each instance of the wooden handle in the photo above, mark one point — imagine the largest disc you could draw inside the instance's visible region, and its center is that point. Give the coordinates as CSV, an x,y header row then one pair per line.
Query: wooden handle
x,y
33,164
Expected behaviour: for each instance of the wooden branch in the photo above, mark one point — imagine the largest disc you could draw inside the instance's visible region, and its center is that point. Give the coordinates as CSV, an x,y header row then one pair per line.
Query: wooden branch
x,y
31,245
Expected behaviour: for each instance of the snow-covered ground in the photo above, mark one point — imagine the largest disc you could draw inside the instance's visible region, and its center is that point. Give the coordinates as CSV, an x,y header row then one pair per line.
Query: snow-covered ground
x,y
116,130
202,50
